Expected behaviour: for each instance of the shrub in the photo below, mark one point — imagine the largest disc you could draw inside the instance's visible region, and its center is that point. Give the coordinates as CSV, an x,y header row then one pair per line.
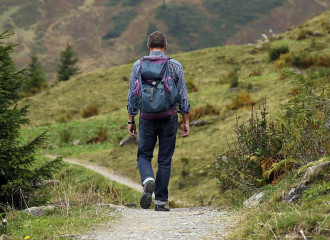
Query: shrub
x,y
264,150
284,61
131,2
191,86
120,23
90,111
240,100
303,34
231,77
110,3
65,135
275,53
256,145
255,72
101,137
325,25
64,118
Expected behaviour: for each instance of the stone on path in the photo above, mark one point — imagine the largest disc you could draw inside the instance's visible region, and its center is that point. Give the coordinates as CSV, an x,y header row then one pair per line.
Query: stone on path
x,y
254,200
129,140
314,170
295,192
39,211
4,237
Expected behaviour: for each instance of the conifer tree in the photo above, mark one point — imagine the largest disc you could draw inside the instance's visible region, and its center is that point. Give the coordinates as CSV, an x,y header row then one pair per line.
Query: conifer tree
x,y
36,75
66,68
18,177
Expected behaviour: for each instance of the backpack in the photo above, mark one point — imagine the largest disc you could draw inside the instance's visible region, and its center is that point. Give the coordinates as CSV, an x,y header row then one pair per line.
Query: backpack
x,y
155,93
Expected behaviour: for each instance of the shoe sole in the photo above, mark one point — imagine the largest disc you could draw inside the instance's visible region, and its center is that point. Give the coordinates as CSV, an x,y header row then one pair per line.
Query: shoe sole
x,y
146,198
161,210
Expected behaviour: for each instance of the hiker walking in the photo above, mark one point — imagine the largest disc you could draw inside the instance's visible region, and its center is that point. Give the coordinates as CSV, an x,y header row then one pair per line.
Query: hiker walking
x,y
158,90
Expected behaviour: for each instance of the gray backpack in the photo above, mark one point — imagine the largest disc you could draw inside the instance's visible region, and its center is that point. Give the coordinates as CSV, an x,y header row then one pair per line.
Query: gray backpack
x,y
155,93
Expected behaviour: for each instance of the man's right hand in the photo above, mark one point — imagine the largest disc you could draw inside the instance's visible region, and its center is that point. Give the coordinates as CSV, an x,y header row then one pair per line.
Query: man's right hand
x,y
132,129
185,129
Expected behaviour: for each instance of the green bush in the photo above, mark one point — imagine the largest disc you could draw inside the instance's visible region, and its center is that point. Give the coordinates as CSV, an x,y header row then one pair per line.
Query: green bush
x,y
110,3
231,77
120,23
131,2
264,150
275,53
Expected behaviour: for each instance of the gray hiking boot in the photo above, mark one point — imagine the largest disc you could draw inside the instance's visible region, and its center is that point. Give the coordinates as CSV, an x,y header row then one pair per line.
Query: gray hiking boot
x,y
146,198
163,208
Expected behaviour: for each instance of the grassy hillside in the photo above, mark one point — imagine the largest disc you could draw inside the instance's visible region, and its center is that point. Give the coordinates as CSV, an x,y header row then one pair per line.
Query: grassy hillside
x,y
109,33
208,70
76,198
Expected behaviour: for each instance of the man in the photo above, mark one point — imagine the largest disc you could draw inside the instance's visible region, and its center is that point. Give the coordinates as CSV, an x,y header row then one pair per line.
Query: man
x,y
165,129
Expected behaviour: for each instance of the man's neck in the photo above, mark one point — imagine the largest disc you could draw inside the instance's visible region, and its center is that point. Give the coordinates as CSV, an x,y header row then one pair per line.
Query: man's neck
x,y
157,50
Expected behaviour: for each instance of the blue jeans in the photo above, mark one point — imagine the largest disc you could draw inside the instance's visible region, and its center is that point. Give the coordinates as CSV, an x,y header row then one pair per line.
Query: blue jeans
x,y
166,130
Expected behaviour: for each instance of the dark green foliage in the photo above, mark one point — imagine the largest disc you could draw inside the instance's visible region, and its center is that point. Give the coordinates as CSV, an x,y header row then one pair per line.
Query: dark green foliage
x,y
131,2
233,79
120,23
305,122
18,177
36,75
264,150
110,3
255,140
196,29
275,53
66,135
240,12
186,22
67,67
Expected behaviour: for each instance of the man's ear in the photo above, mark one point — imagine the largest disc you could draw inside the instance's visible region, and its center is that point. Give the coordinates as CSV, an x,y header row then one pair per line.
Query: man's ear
x,y
165,47
148,47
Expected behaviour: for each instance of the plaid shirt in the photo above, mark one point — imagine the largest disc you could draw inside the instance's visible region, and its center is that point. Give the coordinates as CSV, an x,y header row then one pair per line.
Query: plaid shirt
x,y
176,72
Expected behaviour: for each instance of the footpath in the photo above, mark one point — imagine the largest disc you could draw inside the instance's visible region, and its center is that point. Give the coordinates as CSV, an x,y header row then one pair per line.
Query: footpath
x,y
179,223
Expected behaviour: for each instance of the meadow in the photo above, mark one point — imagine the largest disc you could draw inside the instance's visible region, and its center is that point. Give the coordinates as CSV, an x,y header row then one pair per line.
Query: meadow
x,y
250,75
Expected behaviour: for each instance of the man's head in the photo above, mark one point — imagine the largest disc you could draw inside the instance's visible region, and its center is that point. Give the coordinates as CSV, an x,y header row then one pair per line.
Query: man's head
x,y
157,41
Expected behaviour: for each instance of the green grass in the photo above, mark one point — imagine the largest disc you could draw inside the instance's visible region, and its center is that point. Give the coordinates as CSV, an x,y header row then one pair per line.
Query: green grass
x,y
275,219
77,196
206,68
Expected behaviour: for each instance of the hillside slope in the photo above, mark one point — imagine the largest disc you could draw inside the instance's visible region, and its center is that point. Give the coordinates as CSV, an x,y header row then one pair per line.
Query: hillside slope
x,y
207,69
112,32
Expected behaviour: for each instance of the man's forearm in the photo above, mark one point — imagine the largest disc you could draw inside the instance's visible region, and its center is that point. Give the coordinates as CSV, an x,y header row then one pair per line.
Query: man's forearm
x,y
130,118
185,118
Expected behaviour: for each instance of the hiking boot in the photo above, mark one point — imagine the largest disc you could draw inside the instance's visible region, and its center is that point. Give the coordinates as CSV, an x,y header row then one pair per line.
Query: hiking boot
x,y
163,208
146,198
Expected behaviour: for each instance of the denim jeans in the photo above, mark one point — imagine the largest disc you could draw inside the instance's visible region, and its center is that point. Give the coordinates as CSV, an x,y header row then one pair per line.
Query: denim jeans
x,y
165,130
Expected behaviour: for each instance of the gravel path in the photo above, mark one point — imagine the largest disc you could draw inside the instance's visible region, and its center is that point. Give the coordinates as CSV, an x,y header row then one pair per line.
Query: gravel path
x,y
179,223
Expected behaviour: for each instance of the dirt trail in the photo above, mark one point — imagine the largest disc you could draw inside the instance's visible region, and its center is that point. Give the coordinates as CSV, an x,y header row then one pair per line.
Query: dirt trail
x,y
179,223
108,173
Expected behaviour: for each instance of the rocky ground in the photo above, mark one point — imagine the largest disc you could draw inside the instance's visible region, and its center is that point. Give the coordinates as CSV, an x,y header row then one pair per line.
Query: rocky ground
x,y
179,223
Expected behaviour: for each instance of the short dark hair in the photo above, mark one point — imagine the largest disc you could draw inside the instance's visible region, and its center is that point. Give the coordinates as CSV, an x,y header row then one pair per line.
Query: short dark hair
x,y
157,40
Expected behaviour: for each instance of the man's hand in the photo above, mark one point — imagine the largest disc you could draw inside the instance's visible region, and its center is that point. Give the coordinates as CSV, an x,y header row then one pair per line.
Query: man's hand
x,y
185,129
185,125
132,129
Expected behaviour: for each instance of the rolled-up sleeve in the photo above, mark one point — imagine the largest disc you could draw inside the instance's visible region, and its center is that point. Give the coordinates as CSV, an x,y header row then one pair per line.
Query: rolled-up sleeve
x,y
134,75
177,71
